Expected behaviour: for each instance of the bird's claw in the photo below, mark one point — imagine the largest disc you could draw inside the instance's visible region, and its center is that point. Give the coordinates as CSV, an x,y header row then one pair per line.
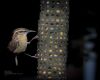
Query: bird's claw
x,y
36,37
31,56
28,42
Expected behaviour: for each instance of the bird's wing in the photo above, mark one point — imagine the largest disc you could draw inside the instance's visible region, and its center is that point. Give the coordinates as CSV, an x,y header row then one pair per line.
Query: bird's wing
x,y
13,45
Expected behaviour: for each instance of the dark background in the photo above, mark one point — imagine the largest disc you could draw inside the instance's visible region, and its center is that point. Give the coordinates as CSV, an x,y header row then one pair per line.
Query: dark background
x,y
17,13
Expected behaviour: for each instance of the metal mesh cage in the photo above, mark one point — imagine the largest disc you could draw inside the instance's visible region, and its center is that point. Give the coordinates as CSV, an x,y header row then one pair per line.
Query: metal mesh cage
x,y
52,45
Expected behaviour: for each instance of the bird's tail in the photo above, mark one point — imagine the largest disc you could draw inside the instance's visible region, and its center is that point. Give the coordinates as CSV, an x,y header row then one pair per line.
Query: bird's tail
x,y
16,61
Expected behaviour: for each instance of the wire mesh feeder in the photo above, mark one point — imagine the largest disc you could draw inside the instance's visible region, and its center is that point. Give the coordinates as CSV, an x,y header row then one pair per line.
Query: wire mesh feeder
x,y
52,45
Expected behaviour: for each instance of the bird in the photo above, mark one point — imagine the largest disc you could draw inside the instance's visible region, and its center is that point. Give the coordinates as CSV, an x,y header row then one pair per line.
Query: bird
x,y
19,42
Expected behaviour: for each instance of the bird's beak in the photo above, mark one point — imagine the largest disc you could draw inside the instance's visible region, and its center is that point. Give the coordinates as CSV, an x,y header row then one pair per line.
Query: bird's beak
x,y
31,31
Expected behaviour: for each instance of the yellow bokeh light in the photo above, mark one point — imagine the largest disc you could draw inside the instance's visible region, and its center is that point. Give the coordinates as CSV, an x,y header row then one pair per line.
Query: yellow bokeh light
x,y
66,2
48,2
55,55
59,72
50,50
57,20
45,59
60,50
58,3
41,32
58,11
61,38
51,28
44,72
49,77
51,55
48,10
61,33
50,37
55,67
46,28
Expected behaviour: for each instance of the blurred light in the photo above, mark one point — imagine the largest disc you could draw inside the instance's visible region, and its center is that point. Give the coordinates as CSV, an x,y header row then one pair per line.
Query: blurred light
x,y
58,11
50,50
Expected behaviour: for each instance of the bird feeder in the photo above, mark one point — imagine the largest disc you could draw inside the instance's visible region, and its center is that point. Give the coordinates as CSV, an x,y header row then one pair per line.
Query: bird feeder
x,y
52,46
